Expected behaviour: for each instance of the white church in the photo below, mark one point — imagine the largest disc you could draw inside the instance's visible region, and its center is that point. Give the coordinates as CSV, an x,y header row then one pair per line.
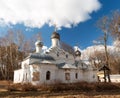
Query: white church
x,y
54,65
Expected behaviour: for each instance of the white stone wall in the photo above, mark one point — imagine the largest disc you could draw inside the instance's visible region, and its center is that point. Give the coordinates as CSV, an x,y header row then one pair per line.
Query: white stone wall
x,y
18,76
56,76
55,42
22,76
42,69
25,63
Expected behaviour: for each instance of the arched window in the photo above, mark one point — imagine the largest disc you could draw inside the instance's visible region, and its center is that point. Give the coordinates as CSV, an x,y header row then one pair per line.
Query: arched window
x,y
57,54
76,75
48,75
67,76
26,76
66,55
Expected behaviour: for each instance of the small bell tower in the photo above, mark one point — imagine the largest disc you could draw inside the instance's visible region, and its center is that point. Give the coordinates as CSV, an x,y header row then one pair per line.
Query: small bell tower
x,y
77,54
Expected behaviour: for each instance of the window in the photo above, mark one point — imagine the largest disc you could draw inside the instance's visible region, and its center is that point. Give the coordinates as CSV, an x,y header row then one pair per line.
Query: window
x,y
93,76
67,76
57,54
36,76
19,77
66,55
76,75
48,75
26,76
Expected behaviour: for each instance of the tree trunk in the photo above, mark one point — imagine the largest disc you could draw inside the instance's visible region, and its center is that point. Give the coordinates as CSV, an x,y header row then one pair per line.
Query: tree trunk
x,y
106,55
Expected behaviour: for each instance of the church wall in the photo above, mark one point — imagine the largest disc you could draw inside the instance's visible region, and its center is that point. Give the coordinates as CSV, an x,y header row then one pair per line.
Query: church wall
x,y
18,76
90,76
60,76
22,75
60,56
25,63
73,78
42,69
80,75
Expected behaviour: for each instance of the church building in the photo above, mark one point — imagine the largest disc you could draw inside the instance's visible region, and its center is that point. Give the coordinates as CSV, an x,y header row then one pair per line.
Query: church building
x,y
54,65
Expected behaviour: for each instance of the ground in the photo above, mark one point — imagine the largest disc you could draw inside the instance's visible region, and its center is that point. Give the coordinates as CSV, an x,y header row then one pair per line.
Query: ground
x,y
67,94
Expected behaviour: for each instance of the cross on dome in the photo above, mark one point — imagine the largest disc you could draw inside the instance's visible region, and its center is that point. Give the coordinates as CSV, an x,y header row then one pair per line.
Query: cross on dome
x,y
55,28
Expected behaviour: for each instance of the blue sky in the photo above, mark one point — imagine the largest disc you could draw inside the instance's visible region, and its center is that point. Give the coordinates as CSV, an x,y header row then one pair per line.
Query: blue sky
x,y
83,34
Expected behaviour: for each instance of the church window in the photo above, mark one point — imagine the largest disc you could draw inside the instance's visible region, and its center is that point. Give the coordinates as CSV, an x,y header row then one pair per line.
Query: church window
x,y
76,75
19,77
67,76
48,75
26,76
93,76
66,55
36,76
57,54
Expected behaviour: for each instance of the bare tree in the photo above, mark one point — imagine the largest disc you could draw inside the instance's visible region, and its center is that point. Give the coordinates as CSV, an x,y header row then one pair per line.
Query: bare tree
x,y
115,24
10,55
97,58
13,49
104,25
115,32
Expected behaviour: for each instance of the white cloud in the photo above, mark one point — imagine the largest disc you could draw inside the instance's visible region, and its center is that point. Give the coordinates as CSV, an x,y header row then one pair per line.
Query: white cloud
x,y
36,13
92,49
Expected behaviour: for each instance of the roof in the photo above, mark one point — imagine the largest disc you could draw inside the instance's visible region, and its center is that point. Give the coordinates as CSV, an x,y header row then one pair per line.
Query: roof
x,y
41,56
55,35
37,58
104,67
66,66
39,43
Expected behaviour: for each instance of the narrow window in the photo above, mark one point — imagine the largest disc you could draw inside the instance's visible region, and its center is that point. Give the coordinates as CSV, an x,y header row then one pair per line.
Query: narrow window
x,y
48,75
76,75
67,76
26,76
93,76
66,55
57,54
19,77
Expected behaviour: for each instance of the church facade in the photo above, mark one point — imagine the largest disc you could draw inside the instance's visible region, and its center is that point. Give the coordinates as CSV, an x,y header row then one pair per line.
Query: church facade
x,y
54,65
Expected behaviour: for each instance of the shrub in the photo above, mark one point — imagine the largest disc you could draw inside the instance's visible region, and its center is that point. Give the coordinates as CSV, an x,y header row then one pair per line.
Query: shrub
x,y
106,86
14,87
28,87
22,87
80,86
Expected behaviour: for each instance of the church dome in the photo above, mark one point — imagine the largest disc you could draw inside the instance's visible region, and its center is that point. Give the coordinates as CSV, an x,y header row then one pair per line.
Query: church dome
x,y
77,53
55,35
39,43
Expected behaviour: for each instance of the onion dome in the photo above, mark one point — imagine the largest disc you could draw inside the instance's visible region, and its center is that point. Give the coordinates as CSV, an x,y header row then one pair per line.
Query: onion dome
x,y
77,53
55,35
39,43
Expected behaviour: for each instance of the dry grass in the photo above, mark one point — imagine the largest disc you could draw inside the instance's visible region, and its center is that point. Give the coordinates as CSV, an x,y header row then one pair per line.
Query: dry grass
x,y
78,90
